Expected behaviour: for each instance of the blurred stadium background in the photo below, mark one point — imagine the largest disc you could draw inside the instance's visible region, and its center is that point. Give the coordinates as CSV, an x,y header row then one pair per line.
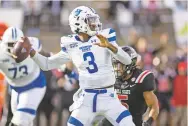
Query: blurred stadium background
x,y
157,29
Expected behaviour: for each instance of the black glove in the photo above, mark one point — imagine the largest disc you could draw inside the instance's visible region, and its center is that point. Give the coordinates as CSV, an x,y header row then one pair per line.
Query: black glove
x,y
148,122
67,71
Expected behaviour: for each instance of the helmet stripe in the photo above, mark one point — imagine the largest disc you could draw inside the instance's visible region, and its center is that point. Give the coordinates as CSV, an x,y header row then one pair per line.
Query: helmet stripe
x,y
91,9
12,33
15,33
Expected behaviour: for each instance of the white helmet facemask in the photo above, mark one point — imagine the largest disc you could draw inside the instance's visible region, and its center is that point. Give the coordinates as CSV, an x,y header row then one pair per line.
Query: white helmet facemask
x,y
84,19
94,25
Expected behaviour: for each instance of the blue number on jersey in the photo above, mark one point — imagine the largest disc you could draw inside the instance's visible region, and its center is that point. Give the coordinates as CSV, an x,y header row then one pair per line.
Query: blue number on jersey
x,y
91,62
22,69
14,70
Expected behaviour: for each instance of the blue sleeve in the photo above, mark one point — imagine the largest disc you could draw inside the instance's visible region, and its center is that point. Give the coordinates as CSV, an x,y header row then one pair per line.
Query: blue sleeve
x,y
111,36
36,44
39,45
73,75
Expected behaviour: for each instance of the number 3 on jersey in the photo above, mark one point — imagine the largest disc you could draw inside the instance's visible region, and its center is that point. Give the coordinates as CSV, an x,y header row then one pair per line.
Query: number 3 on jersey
x,y
88,56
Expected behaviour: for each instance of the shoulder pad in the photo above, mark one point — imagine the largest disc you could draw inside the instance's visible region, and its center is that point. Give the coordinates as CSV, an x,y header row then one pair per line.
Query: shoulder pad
x,y
65,40
33,38
142,76
70,36
110,34
107,31
35,43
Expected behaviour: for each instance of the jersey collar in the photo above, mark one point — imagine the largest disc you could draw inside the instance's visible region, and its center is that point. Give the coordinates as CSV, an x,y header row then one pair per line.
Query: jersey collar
x,y
78,39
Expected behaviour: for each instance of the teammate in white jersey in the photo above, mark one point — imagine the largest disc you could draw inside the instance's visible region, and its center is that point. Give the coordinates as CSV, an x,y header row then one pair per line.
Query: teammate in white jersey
x,y
26,80
91,50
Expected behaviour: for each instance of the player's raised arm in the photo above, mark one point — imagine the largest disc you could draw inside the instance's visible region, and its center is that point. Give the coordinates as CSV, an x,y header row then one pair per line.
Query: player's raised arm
x,y
114,49
47,63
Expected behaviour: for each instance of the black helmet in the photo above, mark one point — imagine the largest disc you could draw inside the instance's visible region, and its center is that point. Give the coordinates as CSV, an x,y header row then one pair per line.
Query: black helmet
x,y
121,70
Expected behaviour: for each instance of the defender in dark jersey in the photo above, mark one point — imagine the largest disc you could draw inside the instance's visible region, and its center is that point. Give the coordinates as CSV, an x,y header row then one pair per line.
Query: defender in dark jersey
x,y
135,90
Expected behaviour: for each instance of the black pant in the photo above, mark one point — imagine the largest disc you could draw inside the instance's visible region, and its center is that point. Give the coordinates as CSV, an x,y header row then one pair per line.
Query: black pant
x,y
164,99
66,101
105,122
10,114
45,107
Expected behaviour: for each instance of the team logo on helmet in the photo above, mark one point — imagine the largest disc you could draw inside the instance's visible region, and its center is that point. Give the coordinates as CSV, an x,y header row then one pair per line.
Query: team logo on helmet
x,y
77,12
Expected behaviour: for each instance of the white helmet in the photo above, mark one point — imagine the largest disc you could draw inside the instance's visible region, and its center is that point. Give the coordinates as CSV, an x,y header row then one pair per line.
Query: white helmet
x,y
12,35
84,19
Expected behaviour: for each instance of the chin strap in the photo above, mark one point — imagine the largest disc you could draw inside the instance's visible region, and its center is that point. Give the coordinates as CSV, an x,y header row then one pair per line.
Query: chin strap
x,y
6,48
10,54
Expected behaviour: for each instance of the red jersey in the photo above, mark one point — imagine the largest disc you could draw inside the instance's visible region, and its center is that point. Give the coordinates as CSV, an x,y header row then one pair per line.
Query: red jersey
x,y
180,90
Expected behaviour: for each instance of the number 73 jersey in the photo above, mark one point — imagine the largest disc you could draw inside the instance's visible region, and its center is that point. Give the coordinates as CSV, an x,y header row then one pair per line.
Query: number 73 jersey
x,y
93,62
19,74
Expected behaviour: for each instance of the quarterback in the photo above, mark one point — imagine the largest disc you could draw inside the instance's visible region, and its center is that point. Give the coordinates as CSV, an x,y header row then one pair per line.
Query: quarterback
x,y
91,50
27,82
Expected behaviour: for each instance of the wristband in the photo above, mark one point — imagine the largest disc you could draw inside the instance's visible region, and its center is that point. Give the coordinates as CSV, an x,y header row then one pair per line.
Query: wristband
x,y
112,48
150,120
31,50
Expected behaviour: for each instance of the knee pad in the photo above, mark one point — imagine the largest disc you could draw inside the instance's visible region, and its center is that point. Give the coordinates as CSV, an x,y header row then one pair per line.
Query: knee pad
x,y
125,119
68,124
22,119
128,121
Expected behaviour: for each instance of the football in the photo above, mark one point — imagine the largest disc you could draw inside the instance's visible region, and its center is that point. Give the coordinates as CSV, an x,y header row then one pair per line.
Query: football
x,y
19,52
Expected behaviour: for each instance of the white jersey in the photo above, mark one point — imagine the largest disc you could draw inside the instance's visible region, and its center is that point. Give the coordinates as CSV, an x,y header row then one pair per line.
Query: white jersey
x,y
93,62
19,74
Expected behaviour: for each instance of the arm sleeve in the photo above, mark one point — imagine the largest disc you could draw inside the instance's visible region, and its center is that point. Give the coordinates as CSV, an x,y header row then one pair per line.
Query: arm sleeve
x,y
148,83
48,63
121,55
